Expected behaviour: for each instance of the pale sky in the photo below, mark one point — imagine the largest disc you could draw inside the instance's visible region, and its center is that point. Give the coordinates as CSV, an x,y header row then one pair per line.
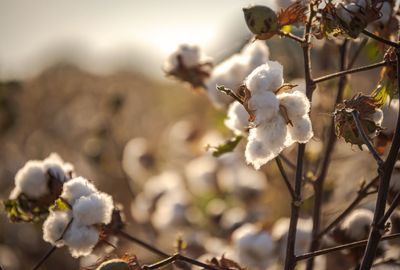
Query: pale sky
x,y
103,35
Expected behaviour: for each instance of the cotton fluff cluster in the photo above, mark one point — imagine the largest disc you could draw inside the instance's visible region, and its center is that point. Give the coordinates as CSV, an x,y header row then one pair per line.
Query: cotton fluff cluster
x,y
33,178
237,119
89,207
279,119
254,247
234,70
187,55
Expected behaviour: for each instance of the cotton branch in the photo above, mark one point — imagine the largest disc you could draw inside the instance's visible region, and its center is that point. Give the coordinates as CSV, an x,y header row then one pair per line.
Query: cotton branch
x,y
285,177
230,93
380,39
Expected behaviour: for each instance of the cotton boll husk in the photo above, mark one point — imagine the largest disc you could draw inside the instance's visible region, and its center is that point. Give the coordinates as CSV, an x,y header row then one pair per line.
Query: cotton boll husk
x,y
32,179
93,209
237,118
80,239
280,234
267,77
265,106
357,224
390,113
265,142
55,225
296,103
301,131
201,174
253,246
76,188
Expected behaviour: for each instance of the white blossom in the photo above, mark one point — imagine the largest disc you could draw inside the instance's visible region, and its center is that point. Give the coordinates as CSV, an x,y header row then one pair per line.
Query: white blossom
x,y
93,209
357,224
254,246
237,118
76,188
234,70
32,180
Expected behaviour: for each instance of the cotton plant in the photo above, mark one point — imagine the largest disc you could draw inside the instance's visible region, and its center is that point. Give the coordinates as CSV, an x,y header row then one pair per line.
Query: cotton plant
x,y
277,115
77,224
37,185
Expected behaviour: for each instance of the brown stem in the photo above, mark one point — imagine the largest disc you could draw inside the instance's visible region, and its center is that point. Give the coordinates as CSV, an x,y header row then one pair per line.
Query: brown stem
x,y
391,209
365,138
285,177
291,36
342,247
230,93
385,175
319,182
143,244
362,193
380,39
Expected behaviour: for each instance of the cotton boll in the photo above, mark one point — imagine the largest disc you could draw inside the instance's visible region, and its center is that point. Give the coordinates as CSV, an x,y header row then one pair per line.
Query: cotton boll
x,y
14,193
377,117
165,182
232,218
201,174
93,209
191,56
267,77
257,153
80,239
237,119
32,180
296,103
55,166
141,208
256,53
357,225
76,188
390,113
253,246
301,131
54,226
265,106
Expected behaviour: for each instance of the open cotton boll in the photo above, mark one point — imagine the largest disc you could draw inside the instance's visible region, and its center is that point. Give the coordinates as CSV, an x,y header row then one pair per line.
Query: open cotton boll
x,y
390,113
267,77
256,53
93,209
357,224
189,54
165,182
377,117
76,188
237,118
80,239
56,167
265,106
296,103
254,247
301,131
55,225
201,174
32,179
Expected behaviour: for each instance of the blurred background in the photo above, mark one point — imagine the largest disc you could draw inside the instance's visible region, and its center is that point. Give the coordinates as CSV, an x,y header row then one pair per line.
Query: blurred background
x,y
84,79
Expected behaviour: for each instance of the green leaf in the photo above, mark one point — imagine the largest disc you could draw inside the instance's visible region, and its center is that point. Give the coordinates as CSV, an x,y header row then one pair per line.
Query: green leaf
x,y
386,89
226,147
60,205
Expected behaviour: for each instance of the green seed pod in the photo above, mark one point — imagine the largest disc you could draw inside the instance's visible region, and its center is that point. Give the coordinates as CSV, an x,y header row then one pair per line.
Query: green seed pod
x,y
115,264
260,19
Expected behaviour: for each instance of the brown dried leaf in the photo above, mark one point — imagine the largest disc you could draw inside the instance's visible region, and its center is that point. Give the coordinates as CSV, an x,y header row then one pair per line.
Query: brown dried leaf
x,y
294,13
225,264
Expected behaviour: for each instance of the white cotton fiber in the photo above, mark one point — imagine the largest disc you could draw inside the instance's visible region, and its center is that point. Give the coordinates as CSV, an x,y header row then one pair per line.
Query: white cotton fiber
x,y
237,118
357,224
301,131
265,106
267,77
93,209
55,225
81,239
296,103
76,188
32,179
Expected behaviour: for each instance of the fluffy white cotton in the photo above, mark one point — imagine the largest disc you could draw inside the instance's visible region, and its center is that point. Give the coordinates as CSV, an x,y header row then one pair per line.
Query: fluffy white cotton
x,y
357,224
267,77
190,55
81,239
301,131
265,142
32,180
237,118
93,209
296,103
170,211
303,235
232,72
57,168
76,188
265,106
167,181
254,247
54,226
201,174
390,113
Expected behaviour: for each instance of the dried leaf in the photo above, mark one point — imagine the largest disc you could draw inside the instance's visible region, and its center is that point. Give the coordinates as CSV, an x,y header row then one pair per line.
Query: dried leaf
x,y
225,264
294,13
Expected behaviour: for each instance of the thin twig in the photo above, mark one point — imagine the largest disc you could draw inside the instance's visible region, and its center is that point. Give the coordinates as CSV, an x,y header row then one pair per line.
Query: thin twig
x,y
385,175
291,36
362,193
285,177
380,39
143,244
230,93
353,70
365,138
287,161
341,247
